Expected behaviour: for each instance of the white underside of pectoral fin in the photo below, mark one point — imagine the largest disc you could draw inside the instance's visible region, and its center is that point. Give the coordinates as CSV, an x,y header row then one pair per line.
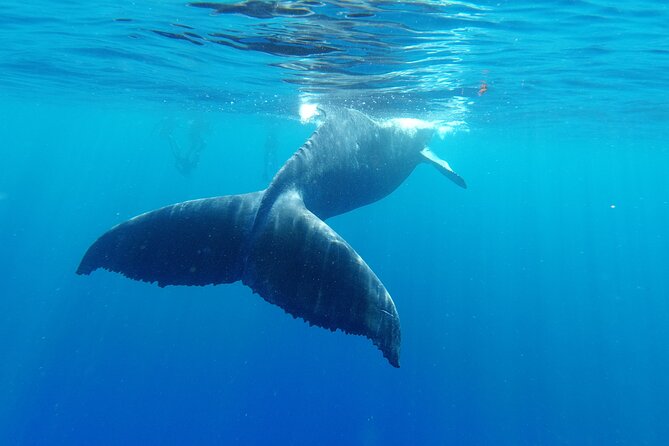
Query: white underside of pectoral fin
x,y
442,166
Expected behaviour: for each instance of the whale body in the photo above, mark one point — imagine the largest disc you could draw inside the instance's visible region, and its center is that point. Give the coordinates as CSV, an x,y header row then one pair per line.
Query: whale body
x,y
276,241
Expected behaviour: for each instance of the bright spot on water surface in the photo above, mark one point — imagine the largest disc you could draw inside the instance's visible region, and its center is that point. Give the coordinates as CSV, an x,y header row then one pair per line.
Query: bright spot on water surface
x,y
308,111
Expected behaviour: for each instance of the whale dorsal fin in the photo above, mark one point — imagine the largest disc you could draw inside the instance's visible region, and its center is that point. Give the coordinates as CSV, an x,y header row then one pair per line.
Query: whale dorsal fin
x,y
442,166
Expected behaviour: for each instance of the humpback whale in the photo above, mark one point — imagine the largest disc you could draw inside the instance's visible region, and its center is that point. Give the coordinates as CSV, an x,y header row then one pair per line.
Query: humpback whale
x,y
276,240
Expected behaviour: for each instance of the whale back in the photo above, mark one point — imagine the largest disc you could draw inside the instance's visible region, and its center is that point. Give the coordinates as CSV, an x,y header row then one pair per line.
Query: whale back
x,y
348,162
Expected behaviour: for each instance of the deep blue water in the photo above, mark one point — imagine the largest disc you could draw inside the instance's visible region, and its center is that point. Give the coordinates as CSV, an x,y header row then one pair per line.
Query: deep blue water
x,y
534,304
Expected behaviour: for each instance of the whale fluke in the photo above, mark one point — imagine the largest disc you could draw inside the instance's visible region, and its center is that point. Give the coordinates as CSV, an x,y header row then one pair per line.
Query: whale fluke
x,y
297,261
196,242
300,264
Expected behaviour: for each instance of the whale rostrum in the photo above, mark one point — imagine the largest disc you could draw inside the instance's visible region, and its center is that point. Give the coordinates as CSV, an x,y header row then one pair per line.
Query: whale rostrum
x,y
276,241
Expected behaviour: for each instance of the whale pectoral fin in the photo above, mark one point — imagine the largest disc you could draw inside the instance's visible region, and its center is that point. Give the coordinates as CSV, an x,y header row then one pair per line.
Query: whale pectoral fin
x,y
196,242
442,166
300,264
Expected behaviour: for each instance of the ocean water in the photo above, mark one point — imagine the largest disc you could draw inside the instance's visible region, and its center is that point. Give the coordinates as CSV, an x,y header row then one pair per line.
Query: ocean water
x,y
534,304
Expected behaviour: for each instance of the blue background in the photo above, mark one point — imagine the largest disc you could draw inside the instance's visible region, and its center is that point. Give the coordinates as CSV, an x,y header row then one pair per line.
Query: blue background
x,y
533,312
533,304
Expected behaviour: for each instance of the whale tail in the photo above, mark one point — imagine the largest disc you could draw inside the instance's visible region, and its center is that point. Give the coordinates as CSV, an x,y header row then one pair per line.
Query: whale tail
x,y
300,264
197,242
290,258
